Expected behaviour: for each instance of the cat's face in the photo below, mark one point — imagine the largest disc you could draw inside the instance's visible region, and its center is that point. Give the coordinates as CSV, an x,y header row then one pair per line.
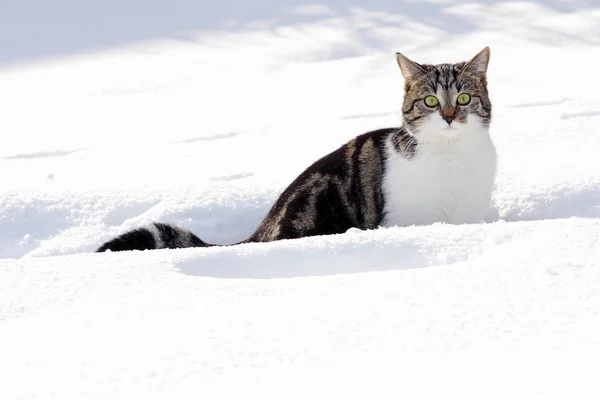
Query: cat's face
x,y
446,100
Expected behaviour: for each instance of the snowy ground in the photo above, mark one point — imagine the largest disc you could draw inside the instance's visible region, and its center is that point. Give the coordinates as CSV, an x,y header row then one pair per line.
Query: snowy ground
x,y
205,127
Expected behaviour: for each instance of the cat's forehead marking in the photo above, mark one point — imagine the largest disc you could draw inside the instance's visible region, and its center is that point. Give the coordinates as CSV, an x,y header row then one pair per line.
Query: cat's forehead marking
x,y
446,76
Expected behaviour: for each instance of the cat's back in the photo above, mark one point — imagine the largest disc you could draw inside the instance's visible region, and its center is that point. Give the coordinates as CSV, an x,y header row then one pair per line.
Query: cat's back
x,y
366,151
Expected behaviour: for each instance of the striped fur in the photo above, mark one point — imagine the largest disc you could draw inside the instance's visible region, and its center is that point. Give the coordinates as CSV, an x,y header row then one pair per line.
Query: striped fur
x,y
414,174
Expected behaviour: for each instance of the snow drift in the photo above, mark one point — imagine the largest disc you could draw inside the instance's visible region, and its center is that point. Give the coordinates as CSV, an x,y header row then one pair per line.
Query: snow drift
x,y
205,128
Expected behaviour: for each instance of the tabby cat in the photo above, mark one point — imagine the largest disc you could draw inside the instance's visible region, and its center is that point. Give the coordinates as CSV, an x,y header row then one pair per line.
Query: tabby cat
x,y
439,166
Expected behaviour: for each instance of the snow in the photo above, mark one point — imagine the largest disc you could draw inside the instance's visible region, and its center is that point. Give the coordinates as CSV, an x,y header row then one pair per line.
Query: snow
x,y
203,121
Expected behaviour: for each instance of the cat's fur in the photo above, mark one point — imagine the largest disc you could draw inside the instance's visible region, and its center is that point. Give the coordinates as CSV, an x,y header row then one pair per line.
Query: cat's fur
x,y
439,166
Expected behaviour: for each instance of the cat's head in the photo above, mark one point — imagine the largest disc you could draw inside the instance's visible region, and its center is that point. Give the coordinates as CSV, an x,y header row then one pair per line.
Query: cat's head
x,y
446,100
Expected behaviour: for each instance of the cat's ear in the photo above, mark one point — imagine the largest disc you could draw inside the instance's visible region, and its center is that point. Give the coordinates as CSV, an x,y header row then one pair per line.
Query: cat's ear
x,y
409,68
479,63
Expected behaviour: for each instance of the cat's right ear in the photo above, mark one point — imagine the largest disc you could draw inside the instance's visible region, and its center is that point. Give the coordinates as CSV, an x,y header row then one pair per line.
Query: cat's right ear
x,y
409,68
479,63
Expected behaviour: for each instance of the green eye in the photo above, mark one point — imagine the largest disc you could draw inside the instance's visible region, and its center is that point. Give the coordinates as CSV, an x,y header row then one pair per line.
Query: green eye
x,y
431,101
463,99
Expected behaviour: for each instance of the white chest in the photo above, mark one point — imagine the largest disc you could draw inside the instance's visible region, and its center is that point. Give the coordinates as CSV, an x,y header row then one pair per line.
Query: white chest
x,y
452,185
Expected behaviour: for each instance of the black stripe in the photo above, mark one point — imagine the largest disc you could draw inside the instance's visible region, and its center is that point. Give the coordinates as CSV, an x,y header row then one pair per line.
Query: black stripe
x,y
138,239
356,183
412,106
418,117
455,74
168,234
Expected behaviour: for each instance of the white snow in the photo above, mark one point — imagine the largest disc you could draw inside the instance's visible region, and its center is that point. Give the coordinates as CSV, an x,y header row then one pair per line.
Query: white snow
x,y
131,112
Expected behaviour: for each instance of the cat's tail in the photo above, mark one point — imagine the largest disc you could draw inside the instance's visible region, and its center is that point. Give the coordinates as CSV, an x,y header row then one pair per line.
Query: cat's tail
x,y
154,236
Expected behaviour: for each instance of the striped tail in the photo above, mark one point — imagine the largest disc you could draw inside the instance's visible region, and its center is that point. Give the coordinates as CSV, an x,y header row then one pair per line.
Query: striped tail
x,y
154,236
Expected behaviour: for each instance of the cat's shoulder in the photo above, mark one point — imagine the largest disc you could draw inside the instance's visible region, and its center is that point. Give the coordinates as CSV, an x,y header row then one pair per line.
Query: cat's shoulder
x,y
378,136
361,148
364,146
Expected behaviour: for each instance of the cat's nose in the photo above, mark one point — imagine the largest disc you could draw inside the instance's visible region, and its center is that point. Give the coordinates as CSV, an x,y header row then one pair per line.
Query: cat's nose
x,y
448,114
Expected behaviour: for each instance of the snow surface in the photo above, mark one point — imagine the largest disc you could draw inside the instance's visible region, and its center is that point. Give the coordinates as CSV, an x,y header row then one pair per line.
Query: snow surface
x,y
202,122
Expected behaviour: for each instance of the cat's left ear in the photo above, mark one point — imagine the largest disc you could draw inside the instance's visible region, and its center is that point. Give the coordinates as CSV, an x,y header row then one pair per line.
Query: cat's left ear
x,y
409,68
479,63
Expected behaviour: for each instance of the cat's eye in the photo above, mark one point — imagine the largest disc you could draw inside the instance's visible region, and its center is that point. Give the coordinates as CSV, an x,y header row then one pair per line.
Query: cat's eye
x,y
463,99
431,101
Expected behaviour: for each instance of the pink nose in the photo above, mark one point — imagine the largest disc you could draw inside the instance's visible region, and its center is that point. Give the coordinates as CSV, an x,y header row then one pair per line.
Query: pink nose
x,y
448,114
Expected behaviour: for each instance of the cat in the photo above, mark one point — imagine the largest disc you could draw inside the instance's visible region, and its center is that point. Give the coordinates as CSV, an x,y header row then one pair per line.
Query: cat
x,y
438,166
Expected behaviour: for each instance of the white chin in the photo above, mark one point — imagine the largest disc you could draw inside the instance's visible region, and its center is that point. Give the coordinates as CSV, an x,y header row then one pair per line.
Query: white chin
x,y
436,128
450,131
